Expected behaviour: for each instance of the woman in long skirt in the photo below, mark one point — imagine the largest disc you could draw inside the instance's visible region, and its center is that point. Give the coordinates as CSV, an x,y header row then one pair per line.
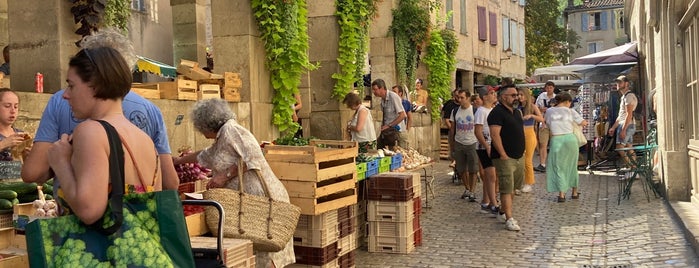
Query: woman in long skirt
x,y
562,162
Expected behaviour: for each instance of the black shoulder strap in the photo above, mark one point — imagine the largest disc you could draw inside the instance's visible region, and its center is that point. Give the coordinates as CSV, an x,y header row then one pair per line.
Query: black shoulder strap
x,y
116,178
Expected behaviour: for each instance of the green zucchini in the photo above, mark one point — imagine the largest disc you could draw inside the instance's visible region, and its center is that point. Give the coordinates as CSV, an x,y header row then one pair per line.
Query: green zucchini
x,y
5,204
8,194
48,197
21,188
27,198
15,201
47,189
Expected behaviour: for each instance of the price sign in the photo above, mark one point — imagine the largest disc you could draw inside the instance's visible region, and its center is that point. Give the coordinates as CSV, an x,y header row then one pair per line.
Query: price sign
x,y
10,169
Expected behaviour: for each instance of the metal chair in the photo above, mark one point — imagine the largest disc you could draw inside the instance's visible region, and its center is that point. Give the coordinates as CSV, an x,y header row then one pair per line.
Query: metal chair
x,y
641,158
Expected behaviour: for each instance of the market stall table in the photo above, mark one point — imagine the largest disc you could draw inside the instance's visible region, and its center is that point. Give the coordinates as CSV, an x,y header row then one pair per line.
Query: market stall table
x,y
428,178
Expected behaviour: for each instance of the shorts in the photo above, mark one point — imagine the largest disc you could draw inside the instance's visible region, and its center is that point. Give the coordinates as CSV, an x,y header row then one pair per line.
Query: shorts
x,y
466,158
510,174
544,135
630,131
483,156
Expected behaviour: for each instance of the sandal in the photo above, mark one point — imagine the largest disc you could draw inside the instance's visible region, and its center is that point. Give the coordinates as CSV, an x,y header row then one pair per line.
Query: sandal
x,y
577,196
561,199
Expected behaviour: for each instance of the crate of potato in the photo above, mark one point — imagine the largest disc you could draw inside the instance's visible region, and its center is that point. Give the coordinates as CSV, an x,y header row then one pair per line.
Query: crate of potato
x,y
319,177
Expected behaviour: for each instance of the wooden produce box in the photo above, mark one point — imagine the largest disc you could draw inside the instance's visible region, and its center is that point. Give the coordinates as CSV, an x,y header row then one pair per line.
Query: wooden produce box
x,y
208,91
318,179
148,91
191,70
11,256
232,80
236,252
231,94
181,89
196,224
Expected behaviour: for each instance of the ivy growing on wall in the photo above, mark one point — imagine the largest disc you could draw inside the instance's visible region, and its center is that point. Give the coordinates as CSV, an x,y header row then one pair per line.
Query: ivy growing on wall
x,y
410,27
353,17
440,65
93,14
283,28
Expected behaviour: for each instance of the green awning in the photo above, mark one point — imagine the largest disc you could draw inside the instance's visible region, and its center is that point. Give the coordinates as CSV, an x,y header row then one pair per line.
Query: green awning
x,y
155,67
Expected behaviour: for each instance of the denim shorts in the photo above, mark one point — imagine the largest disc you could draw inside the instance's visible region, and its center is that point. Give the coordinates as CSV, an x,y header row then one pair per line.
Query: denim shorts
x,y
630,131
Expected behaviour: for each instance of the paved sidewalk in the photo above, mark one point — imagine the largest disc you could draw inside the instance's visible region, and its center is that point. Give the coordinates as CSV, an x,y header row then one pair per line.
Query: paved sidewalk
x,y
590,232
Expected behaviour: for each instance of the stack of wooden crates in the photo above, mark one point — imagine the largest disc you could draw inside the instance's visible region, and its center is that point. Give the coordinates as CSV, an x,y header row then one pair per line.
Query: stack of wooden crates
x,y
320,179
393,212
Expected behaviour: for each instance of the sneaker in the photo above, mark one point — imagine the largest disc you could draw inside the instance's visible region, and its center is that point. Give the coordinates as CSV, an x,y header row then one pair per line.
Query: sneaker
x,y
466,194
540,168
527,188
518,192
472,197
485,208
511,224
501,217
494,211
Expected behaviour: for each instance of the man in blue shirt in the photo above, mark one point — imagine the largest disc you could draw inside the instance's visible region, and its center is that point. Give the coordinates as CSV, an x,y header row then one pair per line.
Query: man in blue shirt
x,y
58,119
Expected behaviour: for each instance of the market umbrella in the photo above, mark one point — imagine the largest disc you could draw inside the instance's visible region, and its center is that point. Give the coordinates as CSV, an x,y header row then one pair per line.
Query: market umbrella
x,y
563,70
155,67
623,53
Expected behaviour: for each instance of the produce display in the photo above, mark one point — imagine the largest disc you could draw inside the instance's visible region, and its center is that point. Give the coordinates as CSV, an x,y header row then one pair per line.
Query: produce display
x,y
44,208
412,158
190,172
12,193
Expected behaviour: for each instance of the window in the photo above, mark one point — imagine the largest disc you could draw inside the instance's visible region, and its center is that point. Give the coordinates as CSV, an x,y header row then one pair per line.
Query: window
x,y
522,41
450,18
505,33
462,16
594,21
138,5
593,47
482,24
493,21
514,38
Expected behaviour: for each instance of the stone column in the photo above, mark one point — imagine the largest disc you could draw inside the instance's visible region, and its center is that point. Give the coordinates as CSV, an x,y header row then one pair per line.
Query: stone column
x,y
238,48
327,113
41,40
189,30
4,37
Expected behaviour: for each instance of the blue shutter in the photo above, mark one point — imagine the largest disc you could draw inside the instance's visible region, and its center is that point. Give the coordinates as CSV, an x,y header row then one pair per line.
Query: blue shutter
x,y
613,13
603,20
584,17
505,33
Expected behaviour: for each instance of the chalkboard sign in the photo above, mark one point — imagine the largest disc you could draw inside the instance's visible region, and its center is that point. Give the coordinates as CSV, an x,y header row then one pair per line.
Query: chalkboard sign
x,y
10,169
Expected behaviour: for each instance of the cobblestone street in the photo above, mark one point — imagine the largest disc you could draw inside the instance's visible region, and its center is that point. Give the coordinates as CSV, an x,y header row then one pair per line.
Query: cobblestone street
x,y
590,232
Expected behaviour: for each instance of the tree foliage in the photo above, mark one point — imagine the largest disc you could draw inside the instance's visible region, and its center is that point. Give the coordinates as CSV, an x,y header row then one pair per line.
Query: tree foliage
x,y
547,42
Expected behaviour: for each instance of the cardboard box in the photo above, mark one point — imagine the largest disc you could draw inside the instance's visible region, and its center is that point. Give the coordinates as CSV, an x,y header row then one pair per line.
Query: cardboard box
x,y
196,224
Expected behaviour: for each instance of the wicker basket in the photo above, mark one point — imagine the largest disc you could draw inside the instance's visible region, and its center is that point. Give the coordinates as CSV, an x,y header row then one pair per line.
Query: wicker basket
x,y
6,220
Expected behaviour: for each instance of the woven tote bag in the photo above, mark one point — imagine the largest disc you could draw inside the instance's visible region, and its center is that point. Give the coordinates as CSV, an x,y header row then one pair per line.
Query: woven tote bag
x,y
268,223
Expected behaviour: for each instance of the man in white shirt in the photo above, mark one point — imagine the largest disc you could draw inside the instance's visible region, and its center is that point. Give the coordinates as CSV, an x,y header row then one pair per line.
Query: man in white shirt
x,y
464,140
625,125
544,101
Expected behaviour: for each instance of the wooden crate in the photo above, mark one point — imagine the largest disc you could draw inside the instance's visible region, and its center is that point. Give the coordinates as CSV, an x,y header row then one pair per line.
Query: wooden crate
x,y
148,91
444,147
181,89
231,94
232,80
12,257
196,224
236,252
208,91
313,163
248,263
317,197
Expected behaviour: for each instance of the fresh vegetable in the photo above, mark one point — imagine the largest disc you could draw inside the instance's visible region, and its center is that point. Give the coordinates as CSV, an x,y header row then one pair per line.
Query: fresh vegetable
x,y
190,172
5,204
20,188
8,194
48,188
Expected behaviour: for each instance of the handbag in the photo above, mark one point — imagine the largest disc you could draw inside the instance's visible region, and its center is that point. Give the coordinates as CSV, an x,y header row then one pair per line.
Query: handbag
x,y
577,130
268,223
137,229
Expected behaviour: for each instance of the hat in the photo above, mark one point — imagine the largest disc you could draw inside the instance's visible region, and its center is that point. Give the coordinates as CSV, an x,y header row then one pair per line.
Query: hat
x,y
622,78
484,90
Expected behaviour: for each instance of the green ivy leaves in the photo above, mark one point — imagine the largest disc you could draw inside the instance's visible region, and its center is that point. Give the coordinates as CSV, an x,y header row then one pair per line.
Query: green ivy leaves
x,y
353,18
441,63
283,28
410,27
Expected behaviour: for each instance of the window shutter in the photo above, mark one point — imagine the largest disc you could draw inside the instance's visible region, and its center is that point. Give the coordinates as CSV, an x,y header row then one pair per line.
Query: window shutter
x,y
450,7
522,41
482,27
603,20
585,23
493,24
505,33
462,9
513,38
613,13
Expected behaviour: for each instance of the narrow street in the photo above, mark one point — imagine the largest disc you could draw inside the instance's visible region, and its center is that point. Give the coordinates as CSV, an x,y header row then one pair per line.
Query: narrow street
x,y
592,231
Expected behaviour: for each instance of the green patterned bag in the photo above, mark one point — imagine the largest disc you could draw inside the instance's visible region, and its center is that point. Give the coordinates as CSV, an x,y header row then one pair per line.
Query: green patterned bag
x,y
137,230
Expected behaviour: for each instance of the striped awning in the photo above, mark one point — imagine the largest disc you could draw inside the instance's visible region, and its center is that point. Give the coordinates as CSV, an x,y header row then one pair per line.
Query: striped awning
x,y
155,67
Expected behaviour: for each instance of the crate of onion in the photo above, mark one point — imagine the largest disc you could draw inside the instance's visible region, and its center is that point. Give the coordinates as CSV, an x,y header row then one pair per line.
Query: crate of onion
x,y
319,177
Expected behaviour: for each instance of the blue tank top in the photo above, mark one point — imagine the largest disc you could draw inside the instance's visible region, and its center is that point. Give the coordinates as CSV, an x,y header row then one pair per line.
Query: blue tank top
x,y
529,122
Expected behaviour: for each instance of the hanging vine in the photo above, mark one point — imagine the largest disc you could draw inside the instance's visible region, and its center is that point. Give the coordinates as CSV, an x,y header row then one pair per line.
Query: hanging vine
x,y
283,28
353,18
93,14
410,27
440,66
